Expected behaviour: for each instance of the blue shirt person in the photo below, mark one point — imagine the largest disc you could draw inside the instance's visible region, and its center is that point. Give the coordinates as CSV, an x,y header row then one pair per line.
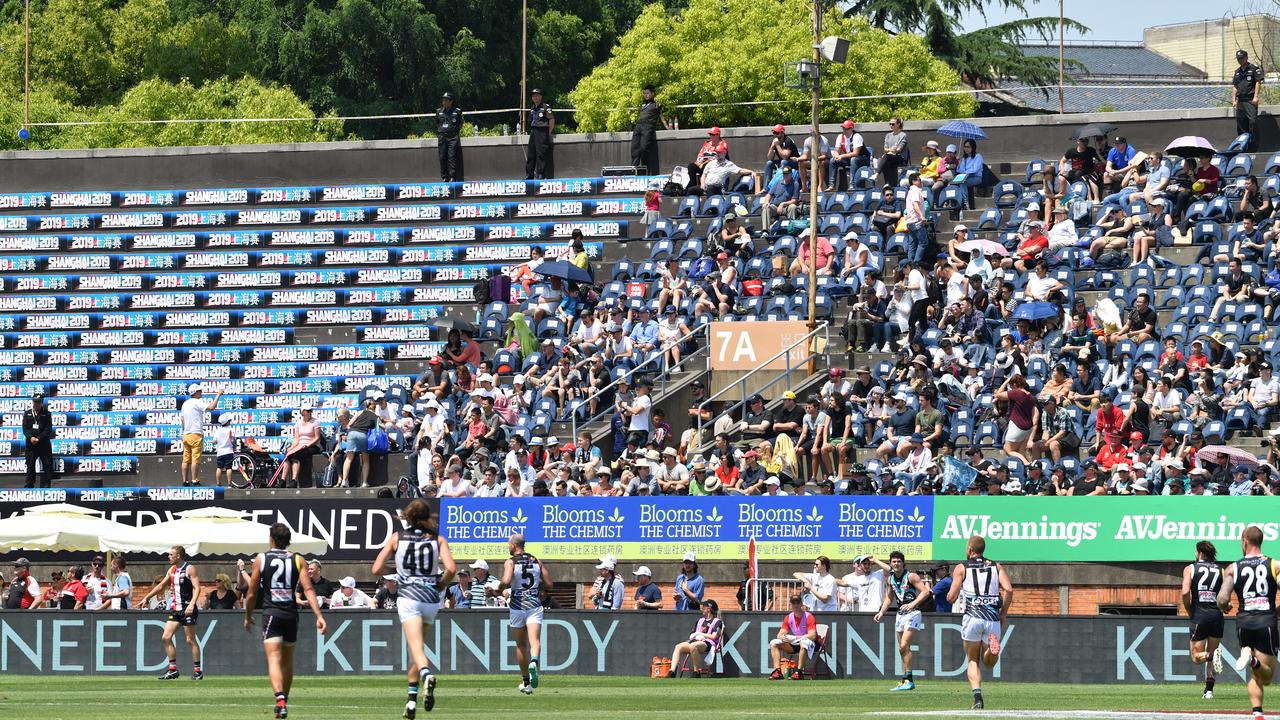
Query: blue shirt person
x,y
688,584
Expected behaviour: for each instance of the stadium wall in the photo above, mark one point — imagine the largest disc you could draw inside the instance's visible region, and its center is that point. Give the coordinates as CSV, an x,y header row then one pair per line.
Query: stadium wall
x,y
1012,139
1122,649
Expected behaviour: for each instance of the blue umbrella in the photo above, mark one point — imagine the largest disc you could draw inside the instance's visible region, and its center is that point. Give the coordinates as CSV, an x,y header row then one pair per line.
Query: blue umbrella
x,y
963,130
1036,311
564,270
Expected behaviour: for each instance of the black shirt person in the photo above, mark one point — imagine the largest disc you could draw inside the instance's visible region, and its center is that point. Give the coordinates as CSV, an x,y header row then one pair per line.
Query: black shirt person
x,y
1245,85
37,428
540,161
449,143
644,134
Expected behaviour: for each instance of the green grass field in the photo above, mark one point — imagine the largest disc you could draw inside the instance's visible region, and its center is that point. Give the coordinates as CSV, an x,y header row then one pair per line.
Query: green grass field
x,y
567,697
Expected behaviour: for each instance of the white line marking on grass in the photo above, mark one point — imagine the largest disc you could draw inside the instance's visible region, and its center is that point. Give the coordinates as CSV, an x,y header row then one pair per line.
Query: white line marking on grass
x,y
1069,714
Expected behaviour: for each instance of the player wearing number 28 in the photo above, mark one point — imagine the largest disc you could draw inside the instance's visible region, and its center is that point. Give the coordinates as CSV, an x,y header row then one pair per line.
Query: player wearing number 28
x,y
1253,580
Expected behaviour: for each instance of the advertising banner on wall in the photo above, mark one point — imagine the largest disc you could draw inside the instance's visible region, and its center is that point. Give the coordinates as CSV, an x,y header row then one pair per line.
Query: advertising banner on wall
x,y
1100,529
1119,649
716,528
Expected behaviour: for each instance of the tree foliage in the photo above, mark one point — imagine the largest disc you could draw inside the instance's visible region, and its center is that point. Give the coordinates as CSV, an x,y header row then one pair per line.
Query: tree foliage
x,y
722,53
982,57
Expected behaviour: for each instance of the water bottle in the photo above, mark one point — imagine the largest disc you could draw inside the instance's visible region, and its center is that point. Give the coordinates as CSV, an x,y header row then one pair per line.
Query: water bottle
x,y
504,130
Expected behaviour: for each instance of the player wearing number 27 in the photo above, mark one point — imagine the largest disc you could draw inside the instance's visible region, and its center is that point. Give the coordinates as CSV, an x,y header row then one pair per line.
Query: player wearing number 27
x,y
423,567
277,578
1253,580
1201,582
524,574
988,594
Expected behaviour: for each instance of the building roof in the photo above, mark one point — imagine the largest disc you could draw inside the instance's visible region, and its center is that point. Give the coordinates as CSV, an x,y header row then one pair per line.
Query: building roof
x,y
1118,61
1118,98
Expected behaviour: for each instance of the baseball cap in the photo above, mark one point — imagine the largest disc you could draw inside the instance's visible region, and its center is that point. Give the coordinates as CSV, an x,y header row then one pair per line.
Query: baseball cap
x,y
348,582
715,130
690,557
722,255
194,388
22,562
486,377
788,395
772,480
1241,53
779,128
606,564
435,361
960,227
480,564
535,91
932,144
225,418
1240,469
1033,206
951,147
900,396
786,168
517,380
751,454
847,124
642,570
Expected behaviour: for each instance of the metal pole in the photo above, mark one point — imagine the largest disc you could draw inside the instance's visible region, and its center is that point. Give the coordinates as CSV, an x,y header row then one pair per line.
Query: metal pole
x,y
814,152
524,59
26,63
1062,105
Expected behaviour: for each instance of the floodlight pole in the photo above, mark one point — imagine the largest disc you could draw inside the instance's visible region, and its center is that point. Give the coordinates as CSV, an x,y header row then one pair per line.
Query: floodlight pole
x,y
1062,105
26,64
814,151
524,62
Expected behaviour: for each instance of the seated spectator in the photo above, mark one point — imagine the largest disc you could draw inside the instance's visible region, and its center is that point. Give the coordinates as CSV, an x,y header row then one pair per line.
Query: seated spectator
x,y
895,153
734,238
1247,243
928,168
1236,287
703,643
888,213
349,596
1254,202
1044,288
913,468
1167,405
782,198
948,165
1139,325
714,297
1059,437
722,176
706,154
971,170
821,157
857,261
782,153
798,635
1063,234
1264,395
850,154
388,594
1119,164
1082,163
825,253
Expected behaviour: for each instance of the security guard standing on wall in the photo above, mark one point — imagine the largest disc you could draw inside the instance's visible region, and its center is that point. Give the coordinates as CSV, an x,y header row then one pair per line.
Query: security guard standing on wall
x,y
644,135
1245,85
540,162
448,130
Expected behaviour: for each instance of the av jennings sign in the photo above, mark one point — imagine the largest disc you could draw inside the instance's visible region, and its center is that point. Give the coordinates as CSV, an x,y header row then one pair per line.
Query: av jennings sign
x,y
1100,528
716,528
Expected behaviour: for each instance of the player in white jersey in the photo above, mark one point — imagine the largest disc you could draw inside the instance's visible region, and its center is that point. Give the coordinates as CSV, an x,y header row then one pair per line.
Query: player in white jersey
x,y
525,574
183,610
424,566
987,597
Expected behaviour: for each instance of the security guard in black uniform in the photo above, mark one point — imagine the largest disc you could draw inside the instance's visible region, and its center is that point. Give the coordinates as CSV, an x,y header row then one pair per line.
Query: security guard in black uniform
x,y
1245,85
37,430
448,128
644,135
540,162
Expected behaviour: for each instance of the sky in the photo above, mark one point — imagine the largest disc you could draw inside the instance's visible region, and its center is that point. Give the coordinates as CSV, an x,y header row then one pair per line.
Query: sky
x,y
1101,17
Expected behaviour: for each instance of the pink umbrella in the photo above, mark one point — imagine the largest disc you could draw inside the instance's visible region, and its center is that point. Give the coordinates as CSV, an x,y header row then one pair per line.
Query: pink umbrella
x,y
1190,146
1222,454
988,247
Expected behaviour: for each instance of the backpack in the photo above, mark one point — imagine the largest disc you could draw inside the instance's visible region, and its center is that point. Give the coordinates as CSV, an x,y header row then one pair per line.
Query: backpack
x,y
379,441
480,291
701,268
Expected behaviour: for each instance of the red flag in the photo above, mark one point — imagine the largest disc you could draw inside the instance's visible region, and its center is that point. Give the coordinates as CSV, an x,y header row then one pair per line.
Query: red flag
x,y
754,571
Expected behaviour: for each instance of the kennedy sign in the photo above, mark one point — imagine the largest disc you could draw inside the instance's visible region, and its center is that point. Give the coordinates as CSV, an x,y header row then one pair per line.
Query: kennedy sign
x,y
1060,529
716,528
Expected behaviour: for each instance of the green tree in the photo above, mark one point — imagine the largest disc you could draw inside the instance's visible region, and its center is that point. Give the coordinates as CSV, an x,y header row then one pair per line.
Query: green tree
x,y
722,53
982,57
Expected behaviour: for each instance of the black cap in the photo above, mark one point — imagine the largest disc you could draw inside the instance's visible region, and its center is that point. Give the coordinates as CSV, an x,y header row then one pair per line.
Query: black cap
x,y
22,562
755,399
1241,53
535,91
38,396
1121,139
447,96
698,384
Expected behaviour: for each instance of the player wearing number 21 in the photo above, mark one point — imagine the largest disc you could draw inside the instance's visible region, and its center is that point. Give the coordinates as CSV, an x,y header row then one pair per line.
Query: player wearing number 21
x,y
525,574
278,577
423,566
1253,580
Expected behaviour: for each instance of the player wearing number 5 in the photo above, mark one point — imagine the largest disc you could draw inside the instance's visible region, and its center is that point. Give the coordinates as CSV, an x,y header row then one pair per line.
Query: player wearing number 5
x,y
423,566
524,574
278,577
1253,580
1201,582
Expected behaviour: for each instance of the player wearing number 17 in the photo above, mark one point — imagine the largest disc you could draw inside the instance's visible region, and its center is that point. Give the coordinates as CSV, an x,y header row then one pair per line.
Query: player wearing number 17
x,y
524,574
277,578
988,594
423,566
1253,579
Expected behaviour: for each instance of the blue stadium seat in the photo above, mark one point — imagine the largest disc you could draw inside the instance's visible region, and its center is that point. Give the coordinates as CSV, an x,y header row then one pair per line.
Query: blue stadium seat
x,y
1007,193
1239,166
1273,165
1239,145
662,249
990,219
690,249
1035,168
659,229
952,198
713,206
688,207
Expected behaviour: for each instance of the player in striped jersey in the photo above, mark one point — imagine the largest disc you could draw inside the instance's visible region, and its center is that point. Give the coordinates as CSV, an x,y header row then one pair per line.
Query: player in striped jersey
x,y
987,595
524,574
424,566
183,609
1201,581
278,576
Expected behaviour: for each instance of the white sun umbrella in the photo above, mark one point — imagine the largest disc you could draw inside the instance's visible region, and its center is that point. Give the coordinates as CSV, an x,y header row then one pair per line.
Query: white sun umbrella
x,y
57,527
206,531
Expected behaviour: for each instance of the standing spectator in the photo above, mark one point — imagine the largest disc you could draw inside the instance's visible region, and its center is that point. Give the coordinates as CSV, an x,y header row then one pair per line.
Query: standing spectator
x,y
98,586
638,411
358,444
917,231
704,642
49,597
23,589
608,592
222,596
74,593
121,595
706,154
820,585
540,161
850,155
647,596
483,585
349,596
782,152
644,134
799,635
1024,414
448,139
688,585
895,152
1245,85
224,449
306,444
37,429
1081,164
193,415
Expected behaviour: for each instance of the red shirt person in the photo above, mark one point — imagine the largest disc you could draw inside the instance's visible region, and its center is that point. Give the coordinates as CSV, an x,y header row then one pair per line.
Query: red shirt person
x,y
23,589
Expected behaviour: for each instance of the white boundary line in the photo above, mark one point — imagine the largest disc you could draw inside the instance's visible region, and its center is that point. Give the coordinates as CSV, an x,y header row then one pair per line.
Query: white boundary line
x,y
1073,714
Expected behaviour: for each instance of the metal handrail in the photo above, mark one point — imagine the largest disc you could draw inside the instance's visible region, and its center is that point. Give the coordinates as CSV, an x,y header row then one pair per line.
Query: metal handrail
x,y
657,356
741,382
